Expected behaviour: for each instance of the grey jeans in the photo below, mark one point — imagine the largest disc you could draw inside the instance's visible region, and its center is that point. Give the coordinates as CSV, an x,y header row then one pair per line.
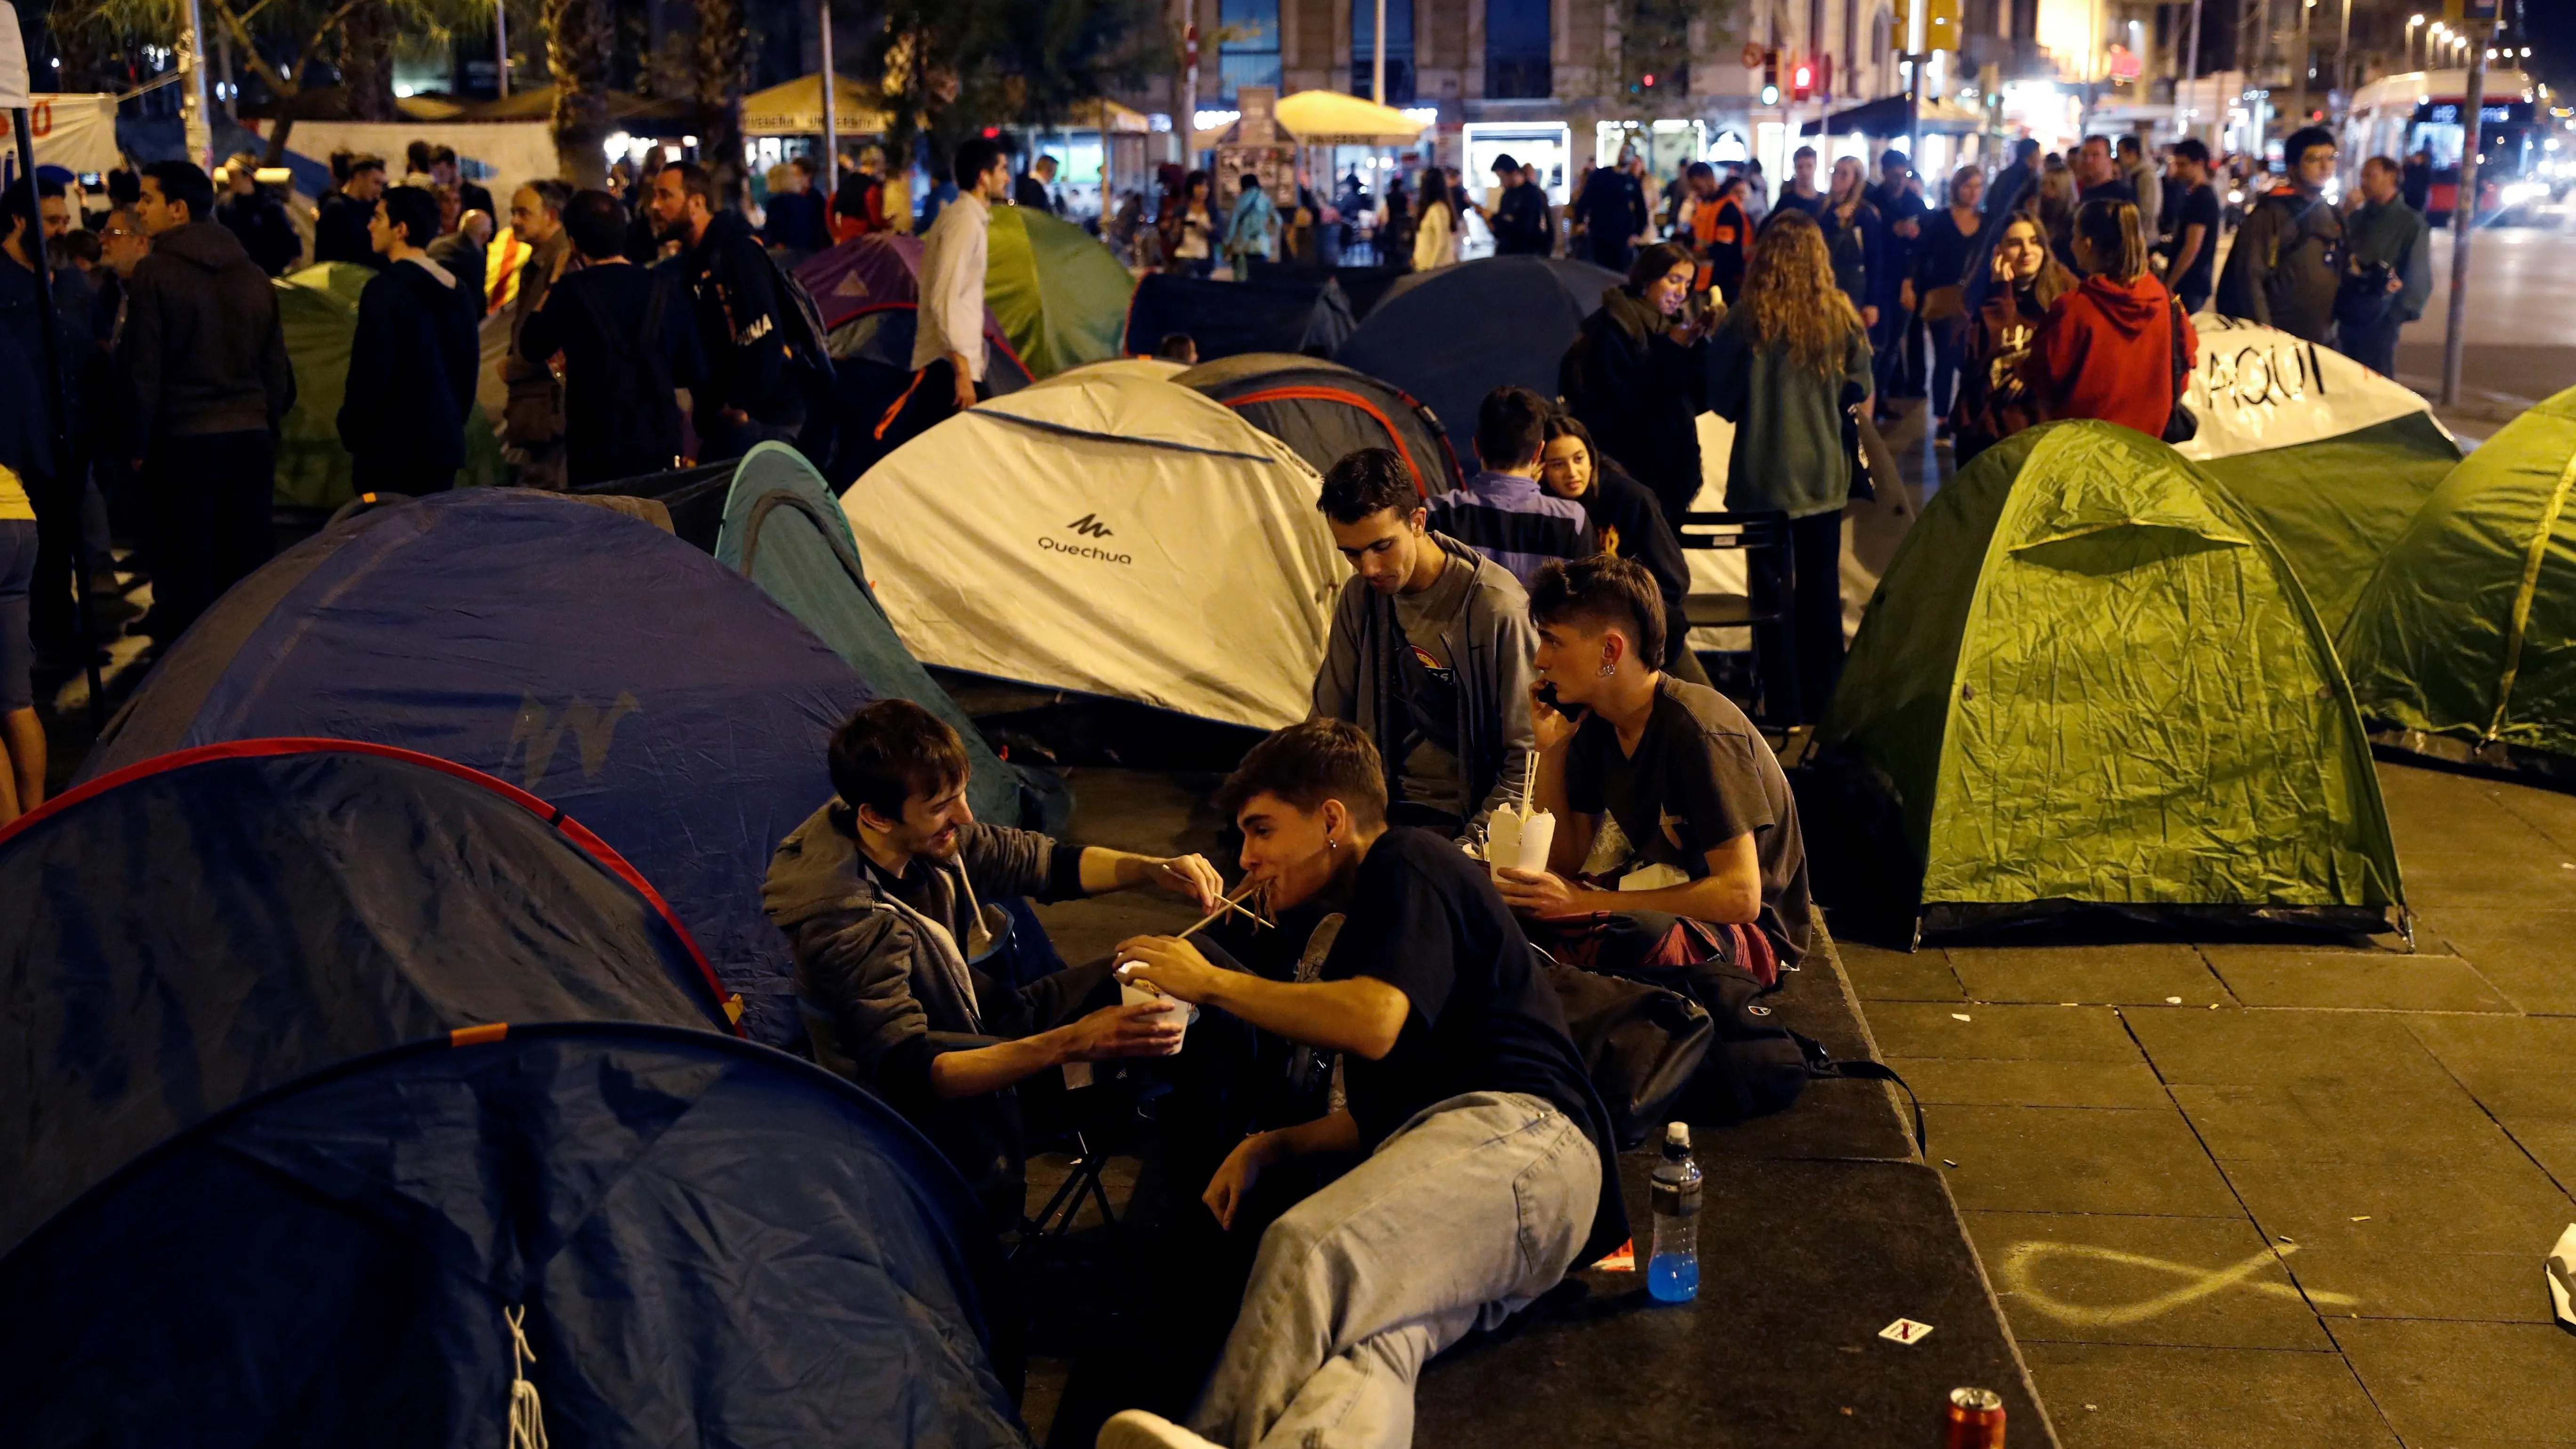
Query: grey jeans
x,y
1459,1219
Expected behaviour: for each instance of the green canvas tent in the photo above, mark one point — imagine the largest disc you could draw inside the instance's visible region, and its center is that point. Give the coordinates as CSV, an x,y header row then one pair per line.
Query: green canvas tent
x,y
1057,291
785,531
2089,677
317,308
2460,645
2331,458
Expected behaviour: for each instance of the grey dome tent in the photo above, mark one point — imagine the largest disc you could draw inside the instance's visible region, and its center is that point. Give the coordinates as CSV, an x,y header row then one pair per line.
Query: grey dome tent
x,y
1453,335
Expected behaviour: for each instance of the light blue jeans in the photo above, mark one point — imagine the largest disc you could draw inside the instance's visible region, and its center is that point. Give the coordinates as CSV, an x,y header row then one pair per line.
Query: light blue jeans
x,y
1458,1220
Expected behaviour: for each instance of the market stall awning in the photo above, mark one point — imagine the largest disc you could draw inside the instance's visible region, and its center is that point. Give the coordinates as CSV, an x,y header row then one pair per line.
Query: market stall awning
x,y
1330,118
1888,116
796,109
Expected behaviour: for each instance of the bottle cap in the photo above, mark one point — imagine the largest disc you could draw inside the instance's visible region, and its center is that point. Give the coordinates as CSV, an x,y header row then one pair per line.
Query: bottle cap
x,y
1677,1134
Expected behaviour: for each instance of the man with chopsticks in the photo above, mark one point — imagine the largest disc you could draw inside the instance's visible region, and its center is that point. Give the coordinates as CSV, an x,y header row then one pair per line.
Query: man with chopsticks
x,y
882,893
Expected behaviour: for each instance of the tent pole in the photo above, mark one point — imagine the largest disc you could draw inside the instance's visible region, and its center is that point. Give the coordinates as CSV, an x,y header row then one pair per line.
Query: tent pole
x,y
67,476
831,167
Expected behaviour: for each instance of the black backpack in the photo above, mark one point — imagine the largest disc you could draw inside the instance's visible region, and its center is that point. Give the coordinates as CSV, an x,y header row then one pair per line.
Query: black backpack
x,y
801,320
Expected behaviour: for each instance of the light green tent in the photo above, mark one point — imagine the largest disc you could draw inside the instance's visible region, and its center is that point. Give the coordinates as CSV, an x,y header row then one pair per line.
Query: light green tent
x,y
318,309
1057,291
2331,458
2461,642
2089,677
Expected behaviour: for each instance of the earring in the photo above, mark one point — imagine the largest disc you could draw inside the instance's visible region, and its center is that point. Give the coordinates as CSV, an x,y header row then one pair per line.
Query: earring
x,y
1609,667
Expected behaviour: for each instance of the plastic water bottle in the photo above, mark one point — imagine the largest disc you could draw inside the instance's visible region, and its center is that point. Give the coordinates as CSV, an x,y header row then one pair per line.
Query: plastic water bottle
x,y
1672,1272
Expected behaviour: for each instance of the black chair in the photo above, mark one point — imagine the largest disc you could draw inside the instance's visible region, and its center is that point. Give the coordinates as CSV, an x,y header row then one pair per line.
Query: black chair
x,y
1764,608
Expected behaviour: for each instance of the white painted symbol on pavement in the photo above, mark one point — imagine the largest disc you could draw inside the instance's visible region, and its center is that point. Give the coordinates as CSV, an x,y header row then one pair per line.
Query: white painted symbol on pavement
x,y
2020,1274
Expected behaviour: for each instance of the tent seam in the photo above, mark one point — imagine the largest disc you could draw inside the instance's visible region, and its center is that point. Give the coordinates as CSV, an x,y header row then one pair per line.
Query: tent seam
x,y
2520,619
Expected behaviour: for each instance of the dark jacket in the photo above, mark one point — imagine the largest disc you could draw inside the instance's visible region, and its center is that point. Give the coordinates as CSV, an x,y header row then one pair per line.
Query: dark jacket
x,y
796,221
467,263
620,420
1638,391
1995,399
741,330
2398,236
2285,265
1858,247
202,352
1490,646
261,223
340,232
1612,212
1032,193
411,371
1896,205
1943,254
2004,194
1520,223
877,978
1633,525
31,407
533,415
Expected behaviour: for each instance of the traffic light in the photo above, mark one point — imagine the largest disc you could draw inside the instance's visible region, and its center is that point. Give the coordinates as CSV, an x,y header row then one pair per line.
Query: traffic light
x,y
1802,80
1771,76
1941,25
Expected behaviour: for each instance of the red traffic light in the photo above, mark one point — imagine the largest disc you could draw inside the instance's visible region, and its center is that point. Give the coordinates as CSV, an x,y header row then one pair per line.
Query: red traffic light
x,y
1802,80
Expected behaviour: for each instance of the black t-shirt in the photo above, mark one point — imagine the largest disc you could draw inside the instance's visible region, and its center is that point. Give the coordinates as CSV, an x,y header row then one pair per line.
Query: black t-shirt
x,y
1701,776
1424,919
2111,190
2199,208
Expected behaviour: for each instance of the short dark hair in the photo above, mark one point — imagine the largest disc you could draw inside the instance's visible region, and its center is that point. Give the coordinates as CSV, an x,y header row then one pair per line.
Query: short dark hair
x,y
2192,149
1249,182
1307,764
695,180
1605,591
185,182
414,210
1698,169
2025,148
2304,140
1654,261
596,222
363,163
124,188
1893,157
1503,162
416,156
975,156
2130,145
889,752
442,155
75,246
1366,483
1177,347
1510,425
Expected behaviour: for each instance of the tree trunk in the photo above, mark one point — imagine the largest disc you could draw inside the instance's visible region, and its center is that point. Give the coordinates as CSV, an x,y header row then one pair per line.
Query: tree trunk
x,y
722,46
367,63
578,44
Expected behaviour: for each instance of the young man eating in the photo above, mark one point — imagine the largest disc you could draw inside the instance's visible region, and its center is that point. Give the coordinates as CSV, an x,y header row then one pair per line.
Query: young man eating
x,y
1429,651
1704,823
879,895
1490,1171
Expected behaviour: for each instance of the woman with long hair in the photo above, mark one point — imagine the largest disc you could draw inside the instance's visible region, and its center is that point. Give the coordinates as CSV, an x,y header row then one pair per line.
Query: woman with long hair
x,y
1787,366
1629,523
2116,347
1995,397
1855,237
1435,225
1188,225
1638,370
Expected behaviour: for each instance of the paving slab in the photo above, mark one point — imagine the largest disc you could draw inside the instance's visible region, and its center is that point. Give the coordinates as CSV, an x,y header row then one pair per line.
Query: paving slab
x,y
2127,1396
2105,1278
2503,1208
2077,1160
2001,1033
2440,1125
2522,951
2484,1287
2285,1049
2440,1381
1878,974
1978,1083
2361,980
2108,975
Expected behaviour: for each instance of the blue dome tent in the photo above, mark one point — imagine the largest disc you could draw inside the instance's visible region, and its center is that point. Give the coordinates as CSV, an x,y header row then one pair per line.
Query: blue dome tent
x,y
205,926
588,657
702,1242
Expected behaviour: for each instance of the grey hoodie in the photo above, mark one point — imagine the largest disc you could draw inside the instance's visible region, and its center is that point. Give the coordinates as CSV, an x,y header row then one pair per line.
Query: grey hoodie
x,y
1490,643
202,352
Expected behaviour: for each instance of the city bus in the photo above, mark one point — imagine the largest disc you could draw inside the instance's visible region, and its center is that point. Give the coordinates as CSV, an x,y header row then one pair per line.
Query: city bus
x,y
2420,111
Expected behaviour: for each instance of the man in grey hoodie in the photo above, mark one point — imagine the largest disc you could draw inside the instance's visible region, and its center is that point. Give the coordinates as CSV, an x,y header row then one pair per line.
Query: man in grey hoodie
x,y
881,893
1429,652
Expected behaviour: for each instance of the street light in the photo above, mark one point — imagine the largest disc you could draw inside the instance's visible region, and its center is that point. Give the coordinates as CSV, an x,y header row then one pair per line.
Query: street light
x,y
2411,23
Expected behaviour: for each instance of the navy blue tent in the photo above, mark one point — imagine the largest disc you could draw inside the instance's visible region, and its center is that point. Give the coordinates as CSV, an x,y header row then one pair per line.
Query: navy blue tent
x,y
707,1243
1227,319
1453,335
590,658
199,928
785,531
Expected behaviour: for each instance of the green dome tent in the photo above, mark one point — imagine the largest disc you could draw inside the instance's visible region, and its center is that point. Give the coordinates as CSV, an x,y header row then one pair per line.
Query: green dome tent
x,y
2089,677
2331,458
1059,293
317,307
2461,641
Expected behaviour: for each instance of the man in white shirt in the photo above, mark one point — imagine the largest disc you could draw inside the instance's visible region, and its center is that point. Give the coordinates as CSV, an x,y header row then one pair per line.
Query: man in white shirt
x,y
948,348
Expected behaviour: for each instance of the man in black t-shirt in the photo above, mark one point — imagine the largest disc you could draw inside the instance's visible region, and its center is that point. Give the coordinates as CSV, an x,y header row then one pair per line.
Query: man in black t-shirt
x,y
1491,1169
2192,267
1705,823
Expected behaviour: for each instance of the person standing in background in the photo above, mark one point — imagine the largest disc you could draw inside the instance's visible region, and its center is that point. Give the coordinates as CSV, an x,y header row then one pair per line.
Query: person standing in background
x,y
2139,170
1936,290
1637,374
251,213
2115,348
2283,270
1252,230
532,421
1900,211
1799,192
1036,190
443,171
1519,217
751,394
2389,274
411,360
948,347
1435,231
2193,262
340,232
626,340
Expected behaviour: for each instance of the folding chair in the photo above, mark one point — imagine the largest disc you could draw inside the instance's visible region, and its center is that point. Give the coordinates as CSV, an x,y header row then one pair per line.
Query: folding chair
x,y
1763,608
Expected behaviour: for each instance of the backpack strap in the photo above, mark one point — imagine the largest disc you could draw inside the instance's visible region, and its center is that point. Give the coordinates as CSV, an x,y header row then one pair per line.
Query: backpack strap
x,y
1821,1066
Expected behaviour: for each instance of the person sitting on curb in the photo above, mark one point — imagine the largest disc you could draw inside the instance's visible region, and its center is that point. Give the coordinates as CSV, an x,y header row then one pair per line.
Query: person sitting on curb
x,y
1502,512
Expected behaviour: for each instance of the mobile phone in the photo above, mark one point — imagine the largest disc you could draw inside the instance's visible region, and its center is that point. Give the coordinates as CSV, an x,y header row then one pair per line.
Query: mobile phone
x,y
1547,696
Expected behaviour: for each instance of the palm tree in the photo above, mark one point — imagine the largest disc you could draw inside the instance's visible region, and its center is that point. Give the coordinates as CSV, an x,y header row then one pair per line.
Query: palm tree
x,y
723,55
578,42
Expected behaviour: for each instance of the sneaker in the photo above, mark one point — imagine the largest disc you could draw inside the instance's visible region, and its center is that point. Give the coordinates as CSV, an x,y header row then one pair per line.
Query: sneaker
x,y
1136,1429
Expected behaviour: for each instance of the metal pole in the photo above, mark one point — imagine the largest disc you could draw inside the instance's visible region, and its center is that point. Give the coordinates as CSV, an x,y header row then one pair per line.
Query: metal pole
x,y
1186,123
193,124
2191,61
2303,67
501,44
2464,215
831,167
1377,58
2343,69
68,474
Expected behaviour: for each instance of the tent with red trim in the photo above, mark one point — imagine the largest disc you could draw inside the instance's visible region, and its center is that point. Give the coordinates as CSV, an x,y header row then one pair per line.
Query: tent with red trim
x,y
189,932
868,289
583,655
1325,411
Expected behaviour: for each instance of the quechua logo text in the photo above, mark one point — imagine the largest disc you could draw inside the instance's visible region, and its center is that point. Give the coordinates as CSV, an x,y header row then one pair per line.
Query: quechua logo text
x,y
1088,526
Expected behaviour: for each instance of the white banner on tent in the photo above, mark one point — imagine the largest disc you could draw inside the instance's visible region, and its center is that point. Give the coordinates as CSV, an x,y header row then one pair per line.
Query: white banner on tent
x,y
75,132
14,84
2258,388
512,152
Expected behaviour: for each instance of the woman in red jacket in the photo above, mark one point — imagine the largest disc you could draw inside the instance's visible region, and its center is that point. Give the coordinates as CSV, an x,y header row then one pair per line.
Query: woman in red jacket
x,y
2116,347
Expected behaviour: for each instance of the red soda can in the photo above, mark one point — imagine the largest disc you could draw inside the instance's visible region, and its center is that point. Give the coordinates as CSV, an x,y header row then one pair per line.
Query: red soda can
x,y
1974,1420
